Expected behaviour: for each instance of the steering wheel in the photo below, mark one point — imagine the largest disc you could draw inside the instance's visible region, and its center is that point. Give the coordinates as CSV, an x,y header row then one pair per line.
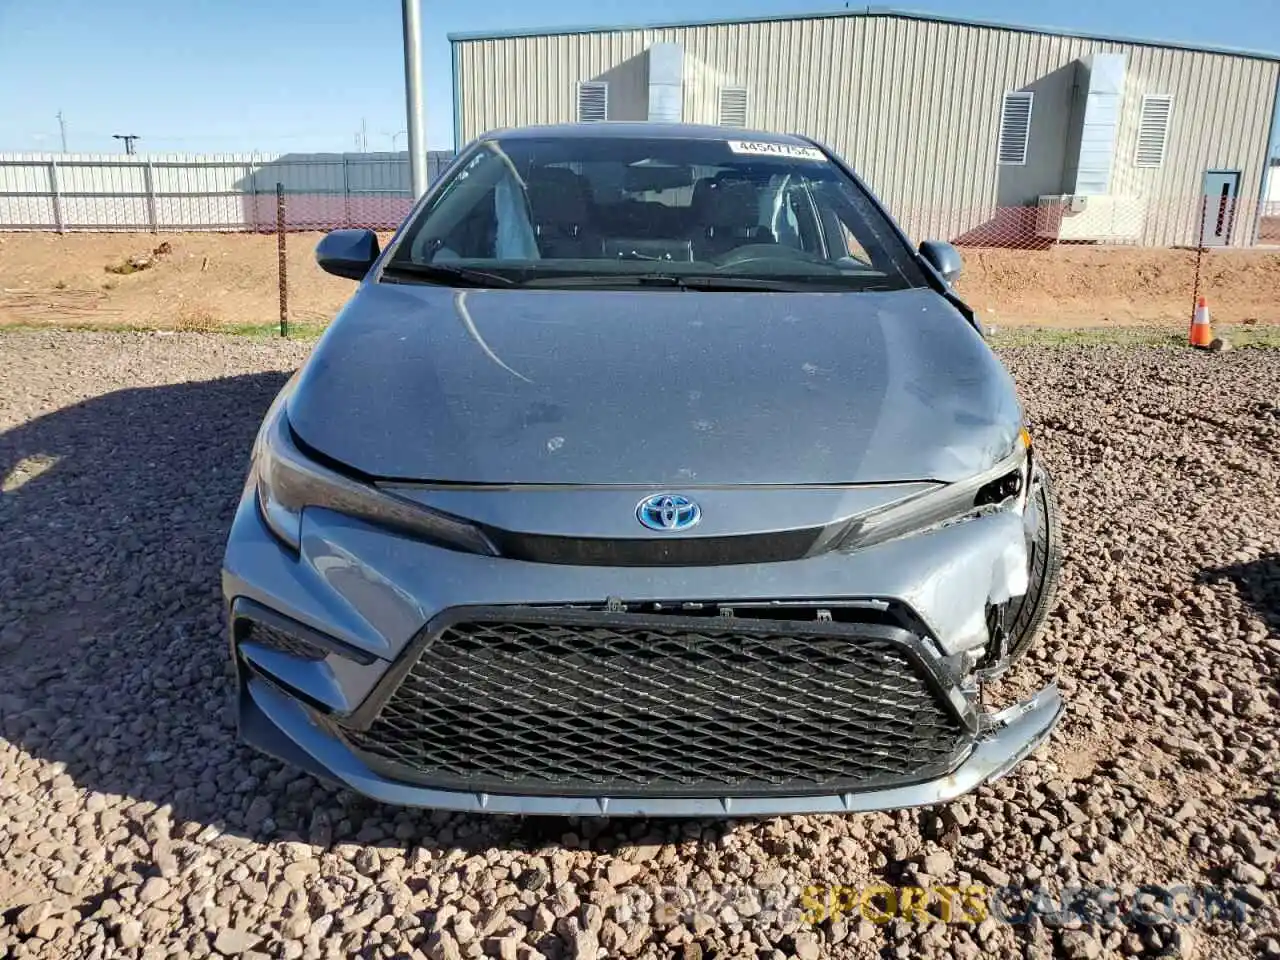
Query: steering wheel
x,y
757,252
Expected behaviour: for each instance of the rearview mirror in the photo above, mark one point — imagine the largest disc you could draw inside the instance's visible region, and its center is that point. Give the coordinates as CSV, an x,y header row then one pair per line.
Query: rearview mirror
x,y
347,253
943,257
642,179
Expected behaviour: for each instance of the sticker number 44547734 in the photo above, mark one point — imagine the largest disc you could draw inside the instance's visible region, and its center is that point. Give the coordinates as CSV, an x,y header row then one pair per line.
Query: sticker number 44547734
x,y
765,149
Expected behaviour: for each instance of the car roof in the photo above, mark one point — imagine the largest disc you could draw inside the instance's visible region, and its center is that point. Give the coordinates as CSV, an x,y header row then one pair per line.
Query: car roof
x,y
627,128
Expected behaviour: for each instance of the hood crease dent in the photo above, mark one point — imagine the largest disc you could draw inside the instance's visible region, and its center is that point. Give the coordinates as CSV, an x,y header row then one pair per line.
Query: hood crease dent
x,y
460,306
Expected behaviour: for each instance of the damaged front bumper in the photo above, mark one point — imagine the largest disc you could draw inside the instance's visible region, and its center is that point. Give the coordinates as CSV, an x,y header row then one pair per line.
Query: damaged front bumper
x,y
279,725
360,600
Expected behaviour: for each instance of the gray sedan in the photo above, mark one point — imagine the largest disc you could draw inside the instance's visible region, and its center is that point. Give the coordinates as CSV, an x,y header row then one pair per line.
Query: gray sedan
x,y
649,471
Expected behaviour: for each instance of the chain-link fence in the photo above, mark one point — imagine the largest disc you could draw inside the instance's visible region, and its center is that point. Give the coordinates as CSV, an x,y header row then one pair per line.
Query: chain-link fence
x,y
1192,221
295,193
237,192
1101,221
1105,230
323,211
1269,224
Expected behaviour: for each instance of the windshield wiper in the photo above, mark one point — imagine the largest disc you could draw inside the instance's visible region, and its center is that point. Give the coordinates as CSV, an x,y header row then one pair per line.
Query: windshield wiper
x,y
714,283
458,276
694,282
447,274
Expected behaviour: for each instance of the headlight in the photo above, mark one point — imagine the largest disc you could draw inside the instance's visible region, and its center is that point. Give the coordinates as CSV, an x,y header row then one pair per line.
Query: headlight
x,y
287,480
1001,486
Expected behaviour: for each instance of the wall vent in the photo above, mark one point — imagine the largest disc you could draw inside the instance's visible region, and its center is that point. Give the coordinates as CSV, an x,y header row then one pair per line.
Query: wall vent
x,y
593,101
1015,127
733,107
1153,130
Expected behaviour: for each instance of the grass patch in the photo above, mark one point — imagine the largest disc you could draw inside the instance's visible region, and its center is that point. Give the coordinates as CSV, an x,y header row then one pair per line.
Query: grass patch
x,y
264,331
74,327
1253,336
193,318
297,331
1241,337
1083,337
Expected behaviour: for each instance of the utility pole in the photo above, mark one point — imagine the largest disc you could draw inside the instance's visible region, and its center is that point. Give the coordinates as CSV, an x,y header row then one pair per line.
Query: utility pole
x,y
413,95
128,139
62,128
364,137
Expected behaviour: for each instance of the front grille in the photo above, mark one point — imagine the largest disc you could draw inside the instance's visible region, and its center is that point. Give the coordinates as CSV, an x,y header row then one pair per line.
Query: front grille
x,y
570,701
273,638
656,551
253,623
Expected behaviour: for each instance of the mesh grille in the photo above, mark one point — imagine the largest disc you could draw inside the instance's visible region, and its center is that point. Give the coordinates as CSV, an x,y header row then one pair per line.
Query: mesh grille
x,y
274,638
712,705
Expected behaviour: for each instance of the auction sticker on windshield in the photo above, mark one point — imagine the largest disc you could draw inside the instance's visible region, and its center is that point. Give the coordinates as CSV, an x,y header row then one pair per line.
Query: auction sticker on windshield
x,y
764,148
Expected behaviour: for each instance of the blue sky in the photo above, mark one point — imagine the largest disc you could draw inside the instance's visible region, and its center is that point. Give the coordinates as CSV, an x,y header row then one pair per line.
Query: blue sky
x,y
303,75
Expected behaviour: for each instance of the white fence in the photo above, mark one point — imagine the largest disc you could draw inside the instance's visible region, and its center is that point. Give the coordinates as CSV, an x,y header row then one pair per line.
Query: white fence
x,y
175,192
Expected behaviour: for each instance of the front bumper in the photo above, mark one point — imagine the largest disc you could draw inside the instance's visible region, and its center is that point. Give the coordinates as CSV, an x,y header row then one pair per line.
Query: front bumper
x,y
279,725
372,592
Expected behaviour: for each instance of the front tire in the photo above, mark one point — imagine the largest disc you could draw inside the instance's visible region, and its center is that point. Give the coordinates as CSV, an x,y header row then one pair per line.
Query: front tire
x,y
1026,615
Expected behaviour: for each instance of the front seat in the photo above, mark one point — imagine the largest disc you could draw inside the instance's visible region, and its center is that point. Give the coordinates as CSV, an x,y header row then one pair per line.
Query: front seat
x,y
561,210
728,213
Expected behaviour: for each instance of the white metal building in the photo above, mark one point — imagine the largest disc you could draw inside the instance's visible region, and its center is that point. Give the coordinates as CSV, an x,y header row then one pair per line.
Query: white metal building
x,y
966,129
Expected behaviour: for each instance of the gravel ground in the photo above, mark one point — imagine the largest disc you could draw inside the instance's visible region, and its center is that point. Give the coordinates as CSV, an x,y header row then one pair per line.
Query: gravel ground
x,y
133,825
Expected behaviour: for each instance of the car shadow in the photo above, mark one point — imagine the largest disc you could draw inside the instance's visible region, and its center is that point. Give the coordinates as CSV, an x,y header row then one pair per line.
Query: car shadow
x,y
1258,584
113,655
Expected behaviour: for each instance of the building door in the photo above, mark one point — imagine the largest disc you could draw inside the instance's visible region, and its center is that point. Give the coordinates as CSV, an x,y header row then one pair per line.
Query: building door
x,y
1219,206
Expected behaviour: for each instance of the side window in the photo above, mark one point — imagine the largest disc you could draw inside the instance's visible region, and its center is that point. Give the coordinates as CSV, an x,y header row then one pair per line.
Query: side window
x,y
475,234
847,222
852,245
800,213
841,241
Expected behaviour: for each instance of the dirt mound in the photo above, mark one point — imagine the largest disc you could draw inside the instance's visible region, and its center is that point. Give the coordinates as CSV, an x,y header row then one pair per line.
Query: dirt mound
x,y
209,281
206,281
1089,285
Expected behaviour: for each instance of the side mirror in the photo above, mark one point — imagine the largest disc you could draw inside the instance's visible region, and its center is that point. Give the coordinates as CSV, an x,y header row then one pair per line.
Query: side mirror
x,y
347,253
943,257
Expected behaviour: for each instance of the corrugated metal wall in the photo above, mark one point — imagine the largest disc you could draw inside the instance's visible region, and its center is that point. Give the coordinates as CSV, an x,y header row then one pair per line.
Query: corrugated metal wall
x,y
913,104
75,191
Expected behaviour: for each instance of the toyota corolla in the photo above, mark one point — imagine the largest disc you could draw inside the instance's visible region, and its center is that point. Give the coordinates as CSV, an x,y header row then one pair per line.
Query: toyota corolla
x,y
650,470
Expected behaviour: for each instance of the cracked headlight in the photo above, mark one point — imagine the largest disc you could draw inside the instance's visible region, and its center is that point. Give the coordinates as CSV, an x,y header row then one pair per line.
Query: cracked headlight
x,y
287,480
996,488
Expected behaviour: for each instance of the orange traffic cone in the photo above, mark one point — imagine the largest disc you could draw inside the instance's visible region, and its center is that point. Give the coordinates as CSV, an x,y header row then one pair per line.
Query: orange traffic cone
x,y
1201,332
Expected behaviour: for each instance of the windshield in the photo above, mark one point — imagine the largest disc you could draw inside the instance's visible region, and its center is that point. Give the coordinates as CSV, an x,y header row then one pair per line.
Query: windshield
x,y
694,213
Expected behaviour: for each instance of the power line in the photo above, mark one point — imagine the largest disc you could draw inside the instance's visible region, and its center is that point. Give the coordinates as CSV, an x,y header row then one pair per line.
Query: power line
x,y
186,138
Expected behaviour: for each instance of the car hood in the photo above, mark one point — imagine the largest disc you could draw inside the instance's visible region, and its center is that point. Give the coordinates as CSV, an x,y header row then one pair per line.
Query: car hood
x,y
656,388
